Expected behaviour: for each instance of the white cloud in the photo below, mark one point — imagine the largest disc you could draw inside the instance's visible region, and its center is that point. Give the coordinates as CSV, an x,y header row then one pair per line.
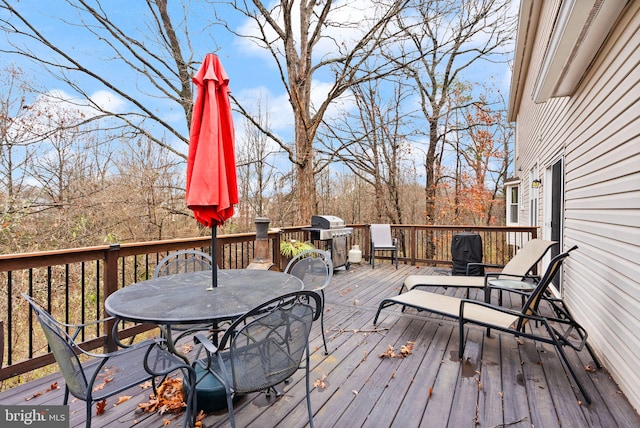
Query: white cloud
x,y
108,101
58,100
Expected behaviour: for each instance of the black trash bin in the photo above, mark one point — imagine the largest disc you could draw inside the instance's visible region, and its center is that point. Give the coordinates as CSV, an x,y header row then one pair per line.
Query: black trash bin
x,y
466,247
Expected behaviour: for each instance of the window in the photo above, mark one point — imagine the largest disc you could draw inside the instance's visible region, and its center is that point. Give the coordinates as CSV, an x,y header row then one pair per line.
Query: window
x,y
513,204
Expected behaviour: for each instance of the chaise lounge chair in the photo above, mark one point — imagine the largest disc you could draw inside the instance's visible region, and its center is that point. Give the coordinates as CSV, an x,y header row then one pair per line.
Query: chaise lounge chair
x,y
558,330
515,276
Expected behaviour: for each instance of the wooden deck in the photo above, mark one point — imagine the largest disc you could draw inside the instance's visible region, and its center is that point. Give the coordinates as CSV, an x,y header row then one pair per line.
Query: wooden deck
x,y
499,383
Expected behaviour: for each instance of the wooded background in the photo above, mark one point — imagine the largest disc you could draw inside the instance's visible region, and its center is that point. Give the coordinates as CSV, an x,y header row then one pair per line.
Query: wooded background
x,y
413,137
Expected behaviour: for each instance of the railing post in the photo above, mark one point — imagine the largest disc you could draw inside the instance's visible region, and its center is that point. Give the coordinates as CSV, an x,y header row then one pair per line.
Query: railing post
x,y
413,244
110,286
277,257
367,238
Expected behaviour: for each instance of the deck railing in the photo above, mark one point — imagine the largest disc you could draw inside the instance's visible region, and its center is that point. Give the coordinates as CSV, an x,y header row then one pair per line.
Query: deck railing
x,y
73,283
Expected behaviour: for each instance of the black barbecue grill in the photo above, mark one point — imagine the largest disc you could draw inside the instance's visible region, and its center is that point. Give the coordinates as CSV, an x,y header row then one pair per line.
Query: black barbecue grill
x,y
332,232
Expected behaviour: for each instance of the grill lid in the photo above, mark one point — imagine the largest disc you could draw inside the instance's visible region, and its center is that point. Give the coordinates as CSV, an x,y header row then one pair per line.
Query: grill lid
x,y
326,222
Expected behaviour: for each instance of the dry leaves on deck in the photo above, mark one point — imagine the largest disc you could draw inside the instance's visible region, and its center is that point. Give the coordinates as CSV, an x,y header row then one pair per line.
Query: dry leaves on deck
x,y
169,398
320,383
101,407
405,351
52,387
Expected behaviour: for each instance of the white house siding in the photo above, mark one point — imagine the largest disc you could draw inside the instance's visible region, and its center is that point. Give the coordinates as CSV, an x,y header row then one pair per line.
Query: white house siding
x,y
597,130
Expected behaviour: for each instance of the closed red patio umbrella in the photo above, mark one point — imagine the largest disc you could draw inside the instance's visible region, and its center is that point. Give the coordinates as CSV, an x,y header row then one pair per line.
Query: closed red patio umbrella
x,y
212,187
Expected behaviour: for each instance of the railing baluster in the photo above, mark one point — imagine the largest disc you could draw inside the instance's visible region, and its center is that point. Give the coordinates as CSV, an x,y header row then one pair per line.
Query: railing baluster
x,y
9,334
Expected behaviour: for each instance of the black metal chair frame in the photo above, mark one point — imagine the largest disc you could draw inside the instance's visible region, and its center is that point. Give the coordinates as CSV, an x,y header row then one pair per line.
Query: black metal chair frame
x,y
229,353
326,270
183,261
81,379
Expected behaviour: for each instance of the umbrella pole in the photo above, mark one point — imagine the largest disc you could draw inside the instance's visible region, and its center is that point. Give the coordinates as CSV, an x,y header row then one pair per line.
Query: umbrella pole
x,y
214,256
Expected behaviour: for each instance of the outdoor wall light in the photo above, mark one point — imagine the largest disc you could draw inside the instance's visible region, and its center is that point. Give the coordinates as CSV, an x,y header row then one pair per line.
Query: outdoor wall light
x,y
536,183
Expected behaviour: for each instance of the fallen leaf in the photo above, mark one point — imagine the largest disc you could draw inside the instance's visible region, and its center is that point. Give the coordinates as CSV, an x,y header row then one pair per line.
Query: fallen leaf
x,y
169,398
101,407
354,392
52,387
405,350
389,353
146,385
590,368
166,422
430,392
122,399
186,348
320,383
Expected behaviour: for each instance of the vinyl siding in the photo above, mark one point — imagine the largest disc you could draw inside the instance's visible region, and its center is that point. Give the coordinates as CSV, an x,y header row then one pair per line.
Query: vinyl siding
x,y
597,131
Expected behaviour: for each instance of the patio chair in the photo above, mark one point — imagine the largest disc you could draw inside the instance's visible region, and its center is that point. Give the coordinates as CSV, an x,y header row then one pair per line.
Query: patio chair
x,y
558,330
515,275
105,375
264,347
381,240
182,262
315,269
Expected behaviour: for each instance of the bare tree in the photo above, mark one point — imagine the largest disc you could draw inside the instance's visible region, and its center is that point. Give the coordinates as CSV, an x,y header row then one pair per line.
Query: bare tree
x,y
306,40
147,194
254,157
447,38
372,143
152,52
16,139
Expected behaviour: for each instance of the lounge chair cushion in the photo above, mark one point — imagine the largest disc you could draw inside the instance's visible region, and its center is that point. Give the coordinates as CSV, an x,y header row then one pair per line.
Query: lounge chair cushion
x,y
450,306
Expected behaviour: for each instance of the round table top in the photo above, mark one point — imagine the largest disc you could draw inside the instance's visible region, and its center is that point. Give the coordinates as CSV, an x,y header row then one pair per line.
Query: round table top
x,y
188,298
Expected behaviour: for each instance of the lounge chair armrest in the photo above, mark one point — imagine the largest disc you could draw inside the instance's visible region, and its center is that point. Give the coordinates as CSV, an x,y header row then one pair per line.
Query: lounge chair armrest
x,y
511,275
494,275
484,265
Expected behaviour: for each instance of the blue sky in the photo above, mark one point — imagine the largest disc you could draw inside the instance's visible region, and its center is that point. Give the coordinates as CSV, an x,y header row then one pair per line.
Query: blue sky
x,y
252,72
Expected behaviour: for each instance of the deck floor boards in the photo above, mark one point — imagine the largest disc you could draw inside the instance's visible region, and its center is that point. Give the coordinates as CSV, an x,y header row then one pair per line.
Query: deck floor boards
x,y
500,382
